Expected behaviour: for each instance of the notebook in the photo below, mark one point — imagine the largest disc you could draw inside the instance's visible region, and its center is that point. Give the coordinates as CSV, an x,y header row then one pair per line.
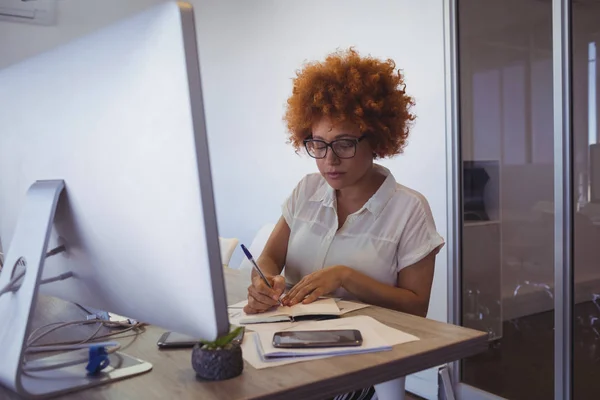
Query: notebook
x,y
320,308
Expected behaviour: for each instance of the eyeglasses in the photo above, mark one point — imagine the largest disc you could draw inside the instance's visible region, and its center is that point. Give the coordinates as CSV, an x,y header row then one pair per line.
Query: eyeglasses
x,y
342,148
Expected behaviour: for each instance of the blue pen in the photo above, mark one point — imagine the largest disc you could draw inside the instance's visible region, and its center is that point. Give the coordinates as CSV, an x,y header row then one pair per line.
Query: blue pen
x,y
264,278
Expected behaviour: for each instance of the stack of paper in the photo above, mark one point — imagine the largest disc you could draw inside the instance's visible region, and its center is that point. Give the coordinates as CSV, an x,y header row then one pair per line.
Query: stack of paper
x,y
371,342
258,350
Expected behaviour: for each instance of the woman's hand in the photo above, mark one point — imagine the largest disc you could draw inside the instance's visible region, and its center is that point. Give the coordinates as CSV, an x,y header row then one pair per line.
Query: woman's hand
x,y
261,297
317,284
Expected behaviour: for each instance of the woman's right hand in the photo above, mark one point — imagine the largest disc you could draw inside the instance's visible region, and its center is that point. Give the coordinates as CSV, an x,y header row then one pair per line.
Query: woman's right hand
x,y
261,297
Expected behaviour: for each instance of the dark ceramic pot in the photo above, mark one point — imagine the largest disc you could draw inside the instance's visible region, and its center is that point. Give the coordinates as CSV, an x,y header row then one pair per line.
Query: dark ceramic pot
x,y
217,365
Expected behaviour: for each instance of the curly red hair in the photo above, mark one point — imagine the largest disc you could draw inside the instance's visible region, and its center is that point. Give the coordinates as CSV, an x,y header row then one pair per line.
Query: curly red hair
x,y
347,87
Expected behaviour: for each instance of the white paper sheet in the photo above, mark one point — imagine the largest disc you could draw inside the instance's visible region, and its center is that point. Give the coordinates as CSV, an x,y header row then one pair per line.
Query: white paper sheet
x,y
389,335
372,342
349,306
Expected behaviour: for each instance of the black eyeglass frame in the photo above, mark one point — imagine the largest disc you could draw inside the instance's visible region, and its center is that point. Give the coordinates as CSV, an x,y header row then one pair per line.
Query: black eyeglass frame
x,y
354,141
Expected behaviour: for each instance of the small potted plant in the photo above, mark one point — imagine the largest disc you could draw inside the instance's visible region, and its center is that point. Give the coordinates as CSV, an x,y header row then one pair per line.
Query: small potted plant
x,y
221,359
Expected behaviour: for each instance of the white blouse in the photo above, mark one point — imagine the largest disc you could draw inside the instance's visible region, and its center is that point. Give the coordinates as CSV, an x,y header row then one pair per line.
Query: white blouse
x,y
394,229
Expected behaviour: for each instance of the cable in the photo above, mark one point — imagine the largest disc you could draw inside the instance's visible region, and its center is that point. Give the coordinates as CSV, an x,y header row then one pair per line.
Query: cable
x,y
61,277
21,262
60,325
92,336
73,345
90,342
12,285
56,250
127,329
41,349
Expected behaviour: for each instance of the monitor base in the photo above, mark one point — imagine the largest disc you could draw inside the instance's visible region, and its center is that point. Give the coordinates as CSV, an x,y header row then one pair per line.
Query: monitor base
x,y
27,253
43,384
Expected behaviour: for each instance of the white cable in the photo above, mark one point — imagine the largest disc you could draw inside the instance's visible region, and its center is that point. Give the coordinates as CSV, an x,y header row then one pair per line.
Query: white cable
x,y
101,323
21,262
92,336
32,334
61,277
57,325
87,343
65,347
41,349
10,287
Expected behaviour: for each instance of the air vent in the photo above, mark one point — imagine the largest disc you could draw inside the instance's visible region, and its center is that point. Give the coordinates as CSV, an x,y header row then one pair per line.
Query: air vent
x,y
40,12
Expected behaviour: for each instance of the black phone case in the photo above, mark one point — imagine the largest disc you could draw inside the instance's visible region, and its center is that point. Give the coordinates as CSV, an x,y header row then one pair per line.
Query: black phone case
x,y
356,343
164,343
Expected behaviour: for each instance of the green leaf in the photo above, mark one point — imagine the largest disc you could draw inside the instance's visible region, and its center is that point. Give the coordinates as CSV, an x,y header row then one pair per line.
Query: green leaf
x,y
223,340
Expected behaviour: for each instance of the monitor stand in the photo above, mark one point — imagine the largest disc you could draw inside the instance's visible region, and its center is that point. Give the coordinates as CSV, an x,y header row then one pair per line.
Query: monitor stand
x,y
28,250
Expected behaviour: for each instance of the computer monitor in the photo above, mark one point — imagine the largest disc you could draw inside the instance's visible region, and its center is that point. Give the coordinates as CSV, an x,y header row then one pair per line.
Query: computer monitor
x,y
117,118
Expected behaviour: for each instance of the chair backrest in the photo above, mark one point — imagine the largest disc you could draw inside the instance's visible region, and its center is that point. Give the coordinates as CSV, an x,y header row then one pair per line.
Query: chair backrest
x,y
257,245
227,248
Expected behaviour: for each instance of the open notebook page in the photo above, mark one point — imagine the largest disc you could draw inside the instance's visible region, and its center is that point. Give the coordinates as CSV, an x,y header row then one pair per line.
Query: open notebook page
x,y
319,307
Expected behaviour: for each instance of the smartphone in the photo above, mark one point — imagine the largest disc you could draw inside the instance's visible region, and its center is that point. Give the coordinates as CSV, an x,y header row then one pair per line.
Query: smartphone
x,y
173,340
324,338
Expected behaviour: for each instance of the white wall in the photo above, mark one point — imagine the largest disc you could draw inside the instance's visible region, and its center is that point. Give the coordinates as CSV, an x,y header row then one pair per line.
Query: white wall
x,y
249,52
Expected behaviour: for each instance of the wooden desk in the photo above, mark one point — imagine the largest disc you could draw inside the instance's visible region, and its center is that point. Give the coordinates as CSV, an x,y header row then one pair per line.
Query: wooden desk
x,y
173,376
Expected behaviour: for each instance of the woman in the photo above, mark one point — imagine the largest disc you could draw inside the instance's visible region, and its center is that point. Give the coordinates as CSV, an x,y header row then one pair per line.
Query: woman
x,y
351,230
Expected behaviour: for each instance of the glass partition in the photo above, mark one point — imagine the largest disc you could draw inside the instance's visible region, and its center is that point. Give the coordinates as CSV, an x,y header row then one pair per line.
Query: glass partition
x,y
586,194
506,130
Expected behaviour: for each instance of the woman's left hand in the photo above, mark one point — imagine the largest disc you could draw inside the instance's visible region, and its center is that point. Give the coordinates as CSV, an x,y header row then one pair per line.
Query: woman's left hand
x,y
317,284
